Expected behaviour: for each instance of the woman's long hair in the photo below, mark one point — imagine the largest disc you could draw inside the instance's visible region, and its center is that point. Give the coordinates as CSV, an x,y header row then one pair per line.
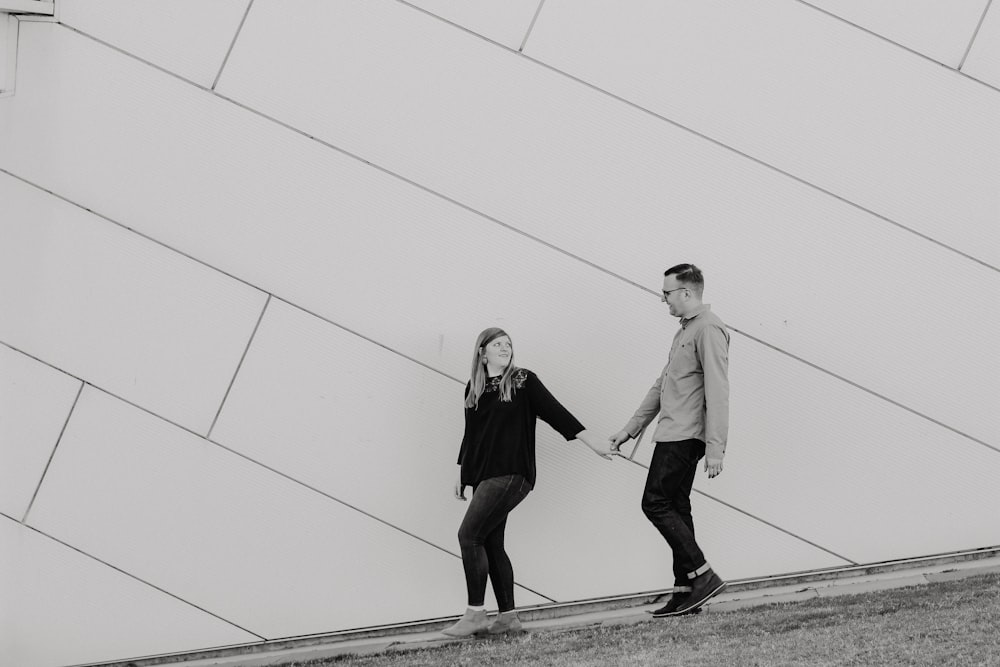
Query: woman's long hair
x,y
479,375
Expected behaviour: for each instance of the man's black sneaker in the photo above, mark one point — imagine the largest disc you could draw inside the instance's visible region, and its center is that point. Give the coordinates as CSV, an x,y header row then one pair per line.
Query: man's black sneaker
x,y
702,588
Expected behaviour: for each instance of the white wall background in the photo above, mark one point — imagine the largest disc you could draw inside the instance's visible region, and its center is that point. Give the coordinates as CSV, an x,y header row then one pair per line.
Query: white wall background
x,y
246,247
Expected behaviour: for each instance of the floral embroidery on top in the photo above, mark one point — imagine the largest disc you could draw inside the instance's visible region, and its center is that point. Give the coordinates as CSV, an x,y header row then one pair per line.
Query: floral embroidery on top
x,y
519,377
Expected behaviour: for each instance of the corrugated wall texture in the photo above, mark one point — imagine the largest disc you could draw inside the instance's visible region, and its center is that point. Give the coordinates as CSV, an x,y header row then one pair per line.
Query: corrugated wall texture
x,y
245,250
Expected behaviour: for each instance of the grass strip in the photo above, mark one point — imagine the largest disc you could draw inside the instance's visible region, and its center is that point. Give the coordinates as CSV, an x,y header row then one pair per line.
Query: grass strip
x,y
947,623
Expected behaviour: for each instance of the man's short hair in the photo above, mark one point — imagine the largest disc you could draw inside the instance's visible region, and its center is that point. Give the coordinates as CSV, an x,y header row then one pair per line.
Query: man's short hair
x,y
688,275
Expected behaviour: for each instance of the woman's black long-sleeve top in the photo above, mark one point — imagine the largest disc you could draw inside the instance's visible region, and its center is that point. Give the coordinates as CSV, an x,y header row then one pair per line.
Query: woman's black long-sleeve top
x,y
500,436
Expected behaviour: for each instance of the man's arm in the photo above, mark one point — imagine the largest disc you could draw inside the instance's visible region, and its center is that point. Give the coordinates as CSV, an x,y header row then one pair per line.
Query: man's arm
x,y
648,408
713,347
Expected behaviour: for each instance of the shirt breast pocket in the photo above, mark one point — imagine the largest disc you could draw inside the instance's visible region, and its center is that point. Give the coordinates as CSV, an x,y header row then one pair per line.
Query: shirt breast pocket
x,y
684,361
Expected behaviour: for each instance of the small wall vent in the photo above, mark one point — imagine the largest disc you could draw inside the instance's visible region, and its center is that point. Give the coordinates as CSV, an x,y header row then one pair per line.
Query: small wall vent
x,y
9,9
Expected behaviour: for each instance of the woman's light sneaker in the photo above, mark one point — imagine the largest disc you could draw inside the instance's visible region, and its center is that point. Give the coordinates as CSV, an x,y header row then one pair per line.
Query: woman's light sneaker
x,y
471,623
506,622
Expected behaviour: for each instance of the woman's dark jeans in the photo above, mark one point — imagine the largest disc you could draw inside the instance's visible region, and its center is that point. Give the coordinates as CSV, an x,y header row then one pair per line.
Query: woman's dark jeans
x,y
481,538
666,502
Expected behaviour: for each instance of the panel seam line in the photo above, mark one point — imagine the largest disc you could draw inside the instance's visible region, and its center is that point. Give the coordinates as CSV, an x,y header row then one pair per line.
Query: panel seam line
x,y
137,578
239,365
52,454
701,135
889,40
766,165
975,34
138,233
531,26
871,392
232,44
757,518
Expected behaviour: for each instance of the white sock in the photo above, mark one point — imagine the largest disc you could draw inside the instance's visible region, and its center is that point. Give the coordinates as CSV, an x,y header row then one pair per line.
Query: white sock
x,y
480,608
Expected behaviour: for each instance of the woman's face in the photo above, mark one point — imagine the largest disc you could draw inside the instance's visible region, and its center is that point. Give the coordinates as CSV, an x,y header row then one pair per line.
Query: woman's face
x,y
498,353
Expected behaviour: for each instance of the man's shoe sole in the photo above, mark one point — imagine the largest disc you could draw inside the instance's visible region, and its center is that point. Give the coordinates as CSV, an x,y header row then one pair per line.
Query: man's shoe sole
x,y
676,612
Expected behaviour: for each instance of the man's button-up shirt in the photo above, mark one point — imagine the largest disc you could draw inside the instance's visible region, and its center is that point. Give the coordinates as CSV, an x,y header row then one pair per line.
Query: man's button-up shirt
x,y
691,395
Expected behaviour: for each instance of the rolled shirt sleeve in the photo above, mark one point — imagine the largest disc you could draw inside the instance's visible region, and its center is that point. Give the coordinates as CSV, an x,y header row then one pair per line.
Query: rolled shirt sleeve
x,y
648,408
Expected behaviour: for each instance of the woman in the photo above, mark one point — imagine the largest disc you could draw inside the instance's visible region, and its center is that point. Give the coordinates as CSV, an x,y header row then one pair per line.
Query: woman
x,y
497,460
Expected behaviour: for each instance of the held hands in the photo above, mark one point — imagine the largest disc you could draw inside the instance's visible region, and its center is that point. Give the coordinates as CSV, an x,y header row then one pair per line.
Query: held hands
x,y
712,466
617,440
600,446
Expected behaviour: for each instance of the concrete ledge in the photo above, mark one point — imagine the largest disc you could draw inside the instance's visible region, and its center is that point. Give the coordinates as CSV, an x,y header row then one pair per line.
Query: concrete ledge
x,y
952,575
871,585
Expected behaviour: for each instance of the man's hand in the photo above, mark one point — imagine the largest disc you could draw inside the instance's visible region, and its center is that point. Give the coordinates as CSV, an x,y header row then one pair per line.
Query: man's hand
x,y
618,439
459,490
600,446
713,467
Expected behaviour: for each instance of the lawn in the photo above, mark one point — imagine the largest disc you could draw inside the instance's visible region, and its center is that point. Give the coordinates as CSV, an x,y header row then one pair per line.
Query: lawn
x,y
948,623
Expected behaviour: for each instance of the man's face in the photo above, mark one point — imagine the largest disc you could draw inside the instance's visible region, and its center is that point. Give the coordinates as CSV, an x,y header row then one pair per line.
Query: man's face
x,y
675,295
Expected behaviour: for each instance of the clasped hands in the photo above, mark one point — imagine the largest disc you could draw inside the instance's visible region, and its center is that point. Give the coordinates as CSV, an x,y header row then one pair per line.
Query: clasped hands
x,y
607,448
712,466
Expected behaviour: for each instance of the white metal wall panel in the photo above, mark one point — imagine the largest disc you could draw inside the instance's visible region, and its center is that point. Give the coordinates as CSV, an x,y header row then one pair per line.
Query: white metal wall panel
x,y
617,186
35,401
117,310
187,37
62,608
803,92
317,229
983,62
314,227
503,21
939,30
272,189
228,535
834,459
353,420
422,275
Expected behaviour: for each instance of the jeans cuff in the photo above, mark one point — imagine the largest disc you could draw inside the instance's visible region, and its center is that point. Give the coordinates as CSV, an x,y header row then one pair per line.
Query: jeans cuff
x,y
700,571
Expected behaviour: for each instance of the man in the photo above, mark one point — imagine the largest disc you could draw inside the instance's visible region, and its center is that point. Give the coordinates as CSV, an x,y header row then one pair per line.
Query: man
x,y
691,397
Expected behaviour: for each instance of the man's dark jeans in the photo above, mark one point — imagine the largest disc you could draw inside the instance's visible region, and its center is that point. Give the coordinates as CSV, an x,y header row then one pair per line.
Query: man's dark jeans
x,y
481,538
666,502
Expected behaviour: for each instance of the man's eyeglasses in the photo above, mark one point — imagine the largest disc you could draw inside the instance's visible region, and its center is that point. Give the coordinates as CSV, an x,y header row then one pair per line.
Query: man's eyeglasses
x,y
666,293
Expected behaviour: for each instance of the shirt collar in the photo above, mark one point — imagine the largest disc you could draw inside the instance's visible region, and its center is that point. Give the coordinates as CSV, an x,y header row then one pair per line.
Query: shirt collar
x,y
697,311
